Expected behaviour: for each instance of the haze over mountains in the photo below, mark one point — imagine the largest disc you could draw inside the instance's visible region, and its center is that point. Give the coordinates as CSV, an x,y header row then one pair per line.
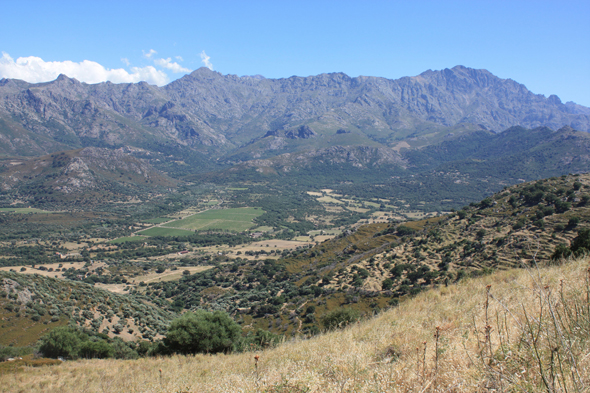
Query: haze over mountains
x,y
244,117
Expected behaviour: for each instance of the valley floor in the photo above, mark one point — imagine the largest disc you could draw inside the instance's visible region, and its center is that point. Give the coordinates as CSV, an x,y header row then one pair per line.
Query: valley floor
x,y
516,330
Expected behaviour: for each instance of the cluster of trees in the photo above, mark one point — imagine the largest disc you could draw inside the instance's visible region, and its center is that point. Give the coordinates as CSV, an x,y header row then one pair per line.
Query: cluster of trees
x,y
70,342
194,332
579,246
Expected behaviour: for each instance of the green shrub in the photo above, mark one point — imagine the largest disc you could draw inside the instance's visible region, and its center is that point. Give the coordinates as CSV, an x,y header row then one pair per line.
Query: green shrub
x,y
561,251
95,349
403,230
63,342
581,243
387,284
203,332
573,222
260,339
486,203
340,318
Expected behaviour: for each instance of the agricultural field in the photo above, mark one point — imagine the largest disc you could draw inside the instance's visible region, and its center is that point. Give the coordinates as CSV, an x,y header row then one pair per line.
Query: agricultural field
x,y
163,231
22,210
380,209
125,239
235,220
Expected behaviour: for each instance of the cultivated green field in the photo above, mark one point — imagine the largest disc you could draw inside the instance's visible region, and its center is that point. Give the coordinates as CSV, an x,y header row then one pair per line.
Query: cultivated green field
x,y
237,220
127,239
22,210
161,231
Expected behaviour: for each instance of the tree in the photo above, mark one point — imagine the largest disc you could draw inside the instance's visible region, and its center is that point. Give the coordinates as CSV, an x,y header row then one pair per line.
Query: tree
x,y
581,243
403,230
62,342
95,349
387,284
204,332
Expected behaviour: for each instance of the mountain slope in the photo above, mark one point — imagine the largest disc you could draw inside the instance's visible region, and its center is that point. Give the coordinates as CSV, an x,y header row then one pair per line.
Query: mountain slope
x,y
88,176
33,301
375,265
211,112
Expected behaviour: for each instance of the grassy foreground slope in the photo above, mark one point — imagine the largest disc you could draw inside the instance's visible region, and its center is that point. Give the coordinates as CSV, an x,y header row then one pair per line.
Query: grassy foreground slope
x,y
514,330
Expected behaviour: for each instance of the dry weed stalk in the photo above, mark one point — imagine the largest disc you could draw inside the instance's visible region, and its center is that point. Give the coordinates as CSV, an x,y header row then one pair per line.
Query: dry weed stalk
x,y
549,339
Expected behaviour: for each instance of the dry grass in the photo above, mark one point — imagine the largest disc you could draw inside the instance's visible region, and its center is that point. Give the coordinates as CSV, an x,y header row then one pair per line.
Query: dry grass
x,y
513,331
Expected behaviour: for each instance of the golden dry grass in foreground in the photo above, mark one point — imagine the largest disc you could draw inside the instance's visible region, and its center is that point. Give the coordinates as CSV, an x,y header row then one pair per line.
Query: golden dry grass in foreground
x,y
517,330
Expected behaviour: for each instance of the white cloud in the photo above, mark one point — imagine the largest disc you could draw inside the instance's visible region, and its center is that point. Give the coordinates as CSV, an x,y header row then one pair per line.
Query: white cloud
x,y
205,60
125,61
169,64
149,54
34,69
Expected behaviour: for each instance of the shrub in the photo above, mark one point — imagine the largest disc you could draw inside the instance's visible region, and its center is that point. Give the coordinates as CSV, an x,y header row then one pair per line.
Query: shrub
x,y
581,243
403,230
387,284
203,332
260,339
486,203
95,349
518,225
562,206
62,342
340,318
573,222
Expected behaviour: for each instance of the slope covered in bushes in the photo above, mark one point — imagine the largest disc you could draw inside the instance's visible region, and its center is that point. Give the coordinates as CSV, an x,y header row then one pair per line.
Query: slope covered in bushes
x,y
514,330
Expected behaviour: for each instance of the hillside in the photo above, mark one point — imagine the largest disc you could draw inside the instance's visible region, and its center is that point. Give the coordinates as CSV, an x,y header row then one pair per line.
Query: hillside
x,y
85,177
497,332
376,265
367,266
31,305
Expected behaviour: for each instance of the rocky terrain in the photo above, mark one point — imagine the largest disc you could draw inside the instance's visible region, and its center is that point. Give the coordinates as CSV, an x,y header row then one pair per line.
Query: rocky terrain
x,y
92,173
220,114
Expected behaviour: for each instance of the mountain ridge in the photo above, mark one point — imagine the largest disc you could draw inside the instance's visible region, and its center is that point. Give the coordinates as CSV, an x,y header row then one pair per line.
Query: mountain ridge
x,y
214,114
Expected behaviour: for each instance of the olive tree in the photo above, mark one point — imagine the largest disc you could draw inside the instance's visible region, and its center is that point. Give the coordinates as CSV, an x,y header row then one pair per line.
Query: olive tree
x,y
203,332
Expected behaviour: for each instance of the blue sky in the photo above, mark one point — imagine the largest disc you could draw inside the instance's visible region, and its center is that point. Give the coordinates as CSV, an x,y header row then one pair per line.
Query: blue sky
x,y
543,44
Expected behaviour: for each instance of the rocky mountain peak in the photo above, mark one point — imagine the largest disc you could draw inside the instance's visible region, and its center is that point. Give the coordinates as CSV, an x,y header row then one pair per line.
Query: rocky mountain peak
x,y
206,108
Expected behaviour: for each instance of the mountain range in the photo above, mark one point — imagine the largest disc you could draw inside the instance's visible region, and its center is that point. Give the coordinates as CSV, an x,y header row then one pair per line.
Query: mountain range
x,y
253,117
69,143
